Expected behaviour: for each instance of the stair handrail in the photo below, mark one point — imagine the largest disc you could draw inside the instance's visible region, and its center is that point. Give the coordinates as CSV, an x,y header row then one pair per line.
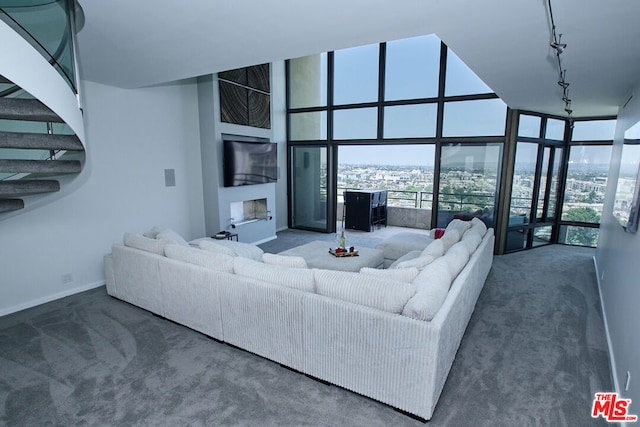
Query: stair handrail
x,y
67,39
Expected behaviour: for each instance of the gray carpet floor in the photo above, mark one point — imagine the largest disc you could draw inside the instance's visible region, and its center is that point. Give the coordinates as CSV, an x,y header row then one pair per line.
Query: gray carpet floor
x,y
534,354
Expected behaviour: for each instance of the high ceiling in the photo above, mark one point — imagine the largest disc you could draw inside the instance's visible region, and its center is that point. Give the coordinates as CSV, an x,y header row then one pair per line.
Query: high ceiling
x,y
133,44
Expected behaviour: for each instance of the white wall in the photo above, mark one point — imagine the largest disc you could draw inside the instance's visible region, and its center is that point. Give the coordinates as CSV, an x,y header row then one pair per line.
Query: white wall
x,y
279,125
619,272
131,137
218,198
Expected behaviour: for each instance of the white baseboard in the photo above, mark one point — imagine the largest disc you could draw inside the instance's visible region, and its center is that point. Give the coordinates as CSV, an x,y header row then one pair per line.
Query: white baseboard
x,y
612,359
49,298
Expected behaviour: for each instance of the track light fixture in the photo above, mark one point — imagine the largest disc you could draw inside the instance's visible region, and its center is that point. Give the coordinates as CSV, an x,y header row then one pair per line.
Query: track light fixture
x,y
559,47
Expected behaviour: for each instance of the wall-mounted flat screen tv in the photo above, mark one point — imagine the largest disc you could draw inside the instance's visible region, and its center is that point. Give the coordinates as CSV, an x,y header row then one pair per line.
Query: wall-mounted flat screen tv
x,y
247,163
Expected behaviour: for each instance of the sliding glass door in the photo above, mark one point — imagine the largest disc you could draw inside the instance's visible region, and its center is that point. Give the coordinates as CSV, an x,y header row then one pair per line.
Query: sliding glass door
x,y
309,188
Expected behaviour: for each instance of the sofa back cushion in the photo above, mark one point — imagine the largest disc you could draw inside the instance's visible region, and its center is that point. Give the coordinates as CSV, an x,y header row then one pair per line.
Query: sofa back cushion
x,y
399,274
479,225
296,278
456,258
458,224
138,241
245,250
472,239
284,260
435,249
364,289
450,238
169,234
210,260
433,285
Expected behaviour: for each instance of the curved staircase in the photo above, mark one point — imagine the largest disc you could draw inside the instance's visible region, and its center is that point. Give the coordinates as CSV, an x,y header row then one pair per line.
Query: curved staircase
x,y
40,151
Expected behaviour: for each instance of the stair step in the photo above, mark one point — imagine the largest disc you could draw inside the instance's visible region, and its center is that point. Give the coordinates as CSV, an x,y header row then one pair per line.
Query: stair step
x,y
27,109
8,205
40,166
22,187
40,141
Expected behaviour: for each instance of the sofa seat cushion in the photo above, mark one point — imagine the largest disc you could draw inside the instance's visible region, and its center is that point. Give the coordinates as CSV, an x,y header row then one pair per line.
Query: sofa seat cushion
x,y
404,242
296,278
210,260
432,286
382,294
229,247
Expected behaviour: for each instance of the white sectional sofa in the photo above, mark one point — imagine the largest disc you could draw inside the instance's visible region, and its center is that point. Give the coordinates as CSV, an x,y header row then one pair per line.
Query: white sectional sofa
x,y
391,335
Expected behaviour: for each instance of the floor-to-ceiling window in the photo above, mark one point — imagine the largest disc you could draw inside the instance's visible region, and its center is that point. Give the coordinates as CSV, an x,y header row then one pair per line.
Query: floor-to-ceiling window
x,y
558,182
410,117
389,115
586,181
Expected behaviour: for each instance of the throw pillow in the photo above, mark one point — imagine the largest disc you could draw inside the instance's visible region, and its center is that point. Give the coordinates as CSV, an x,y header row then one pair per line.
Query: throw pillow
x,y
437,233
138,241
400,274
169,234
210,260
284,260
